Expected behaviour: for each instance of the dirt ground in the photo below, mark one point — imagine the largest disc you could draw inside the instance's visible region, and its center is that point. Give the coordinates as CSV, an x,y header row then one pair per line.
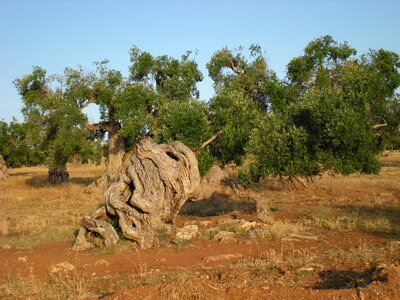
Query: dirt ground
x,y
337,238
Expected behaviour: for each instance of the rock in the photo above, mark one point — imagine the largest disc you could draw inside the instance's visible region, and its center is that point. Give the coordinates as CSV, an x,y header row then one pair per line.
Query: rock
x,y
224,236
23,259
205,223
101,262
285,239
306,269
302,236
187,232
191,222
247,225
61,268
221,257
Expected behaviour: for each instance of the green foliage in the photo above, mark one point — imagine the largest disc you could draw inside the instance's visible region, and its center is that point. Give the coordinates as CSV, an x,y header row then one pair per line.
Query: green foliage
x,y
334,111
245,89
235,114
323,118
248,173
171,78
279,149
337,99
183,121
133,109
338,139
53,123
16,147
205,160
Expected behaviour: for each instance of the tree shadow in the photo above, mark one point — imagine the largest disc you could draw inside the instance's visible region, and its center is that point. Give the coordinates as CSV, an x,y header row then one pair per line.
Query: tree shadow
x,y
42,181
390,164
349,279
37,181
19,174
217,205
86,181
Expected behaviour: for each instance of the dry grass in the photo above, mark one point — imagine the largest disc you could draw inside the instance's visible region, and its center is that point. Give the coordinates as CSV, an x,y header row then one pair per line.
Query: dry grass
x,y
352,223
36,212
183,285
365,253
276,231
275,259
60,287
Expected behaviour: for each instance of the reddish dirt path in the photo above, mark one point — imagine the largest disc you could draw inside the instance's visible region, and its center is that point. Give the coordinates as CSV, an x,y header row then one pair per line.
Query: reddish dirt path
x,y
38,260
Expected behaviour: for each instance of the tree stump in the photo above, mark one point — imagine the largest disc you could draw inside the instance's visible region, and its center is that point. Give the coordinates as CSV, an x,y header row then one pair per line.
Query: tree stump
x,y
156,181
58,175
3,169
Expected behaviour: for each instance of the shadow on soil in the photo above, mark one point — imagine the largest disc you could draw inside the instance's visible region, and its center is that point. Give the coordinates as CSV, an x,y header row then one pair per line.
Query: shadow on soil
x,y
41,181
348,279
216,205
19,174
391,164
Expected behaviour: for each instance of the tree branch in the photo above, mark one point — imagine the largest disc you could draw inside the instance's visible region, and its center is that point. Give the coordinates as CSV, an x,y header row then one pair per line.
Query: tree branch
x,y
86,104
91,99
377,126
98,126
211,139
234,66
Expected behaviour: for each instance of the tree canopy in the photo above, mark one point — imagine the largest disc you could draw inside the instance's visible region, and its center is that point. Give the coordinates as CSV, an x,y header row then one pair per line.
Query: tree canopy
x,y
334,111
53,124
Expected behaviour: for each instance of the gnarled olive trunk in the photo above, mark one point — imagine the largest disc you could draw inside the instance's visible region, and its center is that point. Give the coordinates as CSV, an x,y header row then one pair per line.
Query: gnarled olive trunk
x,y
3,168
154,184
116,152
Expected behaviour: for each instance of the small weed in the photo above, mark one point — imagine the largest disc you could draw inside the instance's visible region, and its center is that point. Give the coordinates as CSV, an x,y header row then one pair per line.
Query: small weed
x,y
231,227
122,246
162,234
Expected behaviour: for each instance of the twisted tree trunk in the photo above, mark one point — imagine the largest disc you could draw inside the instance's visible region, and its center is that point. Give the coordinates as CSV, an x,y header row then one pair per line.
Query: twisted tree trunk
x,y
58,175
156,181
116,152
3,168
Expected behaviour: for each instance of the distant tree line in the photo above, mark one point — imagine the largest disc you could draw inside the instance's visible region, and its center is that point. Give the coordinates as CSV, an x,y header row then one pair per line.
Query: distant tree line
x,y
334,111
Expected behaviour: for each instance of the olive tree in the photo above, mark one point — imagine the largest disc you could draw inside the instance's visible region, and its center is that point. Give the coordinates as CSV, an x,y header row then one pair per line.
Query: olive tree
x,y
340,112
130,107
53,122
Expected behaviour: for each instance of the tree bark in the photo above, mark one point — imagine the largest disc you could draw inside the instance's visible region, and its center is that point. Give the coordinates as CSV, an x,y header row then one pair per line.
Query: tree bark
x,y
58,175
116,152
154,184
3,169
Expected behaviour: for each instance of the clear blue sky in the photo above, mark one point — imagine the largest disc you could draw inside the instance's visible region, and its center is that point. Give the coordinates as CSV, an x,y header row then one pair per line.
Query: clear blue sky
x,y
55,34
